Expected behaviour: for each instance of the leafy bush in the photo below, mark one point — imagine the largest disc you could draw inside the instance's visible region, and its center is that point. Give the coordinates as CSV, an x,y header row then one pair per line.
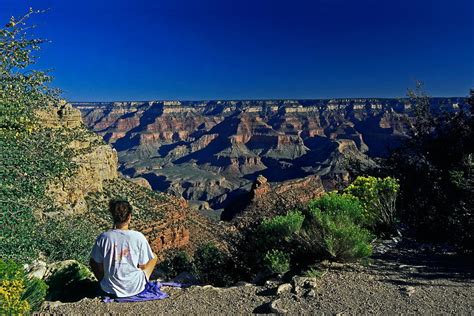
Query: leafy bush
x,y
277,261
213,266
378,197
273,232
313,272
19,294
175,263
336,220
30,155
10,298
35,292
330,228
345,205
67,239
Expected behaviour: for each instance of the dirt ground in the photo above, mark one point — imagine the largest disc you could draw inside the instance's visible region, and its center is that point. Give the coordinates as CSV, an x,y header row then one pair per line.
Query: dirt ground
x,y
404,278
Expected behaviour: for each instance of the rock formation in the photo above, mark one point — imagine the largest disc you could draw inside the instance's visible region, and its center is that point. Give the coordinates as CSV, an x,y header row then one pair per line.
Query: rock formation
x,y
213,150
265,200
165,220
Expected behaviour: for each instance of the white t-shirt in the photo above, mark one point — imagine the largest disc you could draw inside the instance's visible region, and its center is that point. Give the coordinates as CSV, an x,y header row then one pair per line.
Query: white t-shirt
x,y
120,252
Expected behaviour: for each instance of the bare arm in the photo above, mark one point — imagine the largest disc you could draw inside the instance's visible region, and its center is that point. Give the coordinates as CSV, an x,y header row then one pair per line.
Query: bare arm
x,y
97,269
150,263
149,266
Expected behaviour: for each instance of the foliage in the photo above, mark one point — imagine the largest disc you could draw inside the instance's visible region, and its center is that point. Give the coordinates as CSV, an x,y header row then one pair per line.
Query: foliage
x,y
19,294
21,91
30,155
331,227
277,261
175,263
435,169
10,298
378,197
280,228
313,272
35,292
213,266
345,205
67,239
336,220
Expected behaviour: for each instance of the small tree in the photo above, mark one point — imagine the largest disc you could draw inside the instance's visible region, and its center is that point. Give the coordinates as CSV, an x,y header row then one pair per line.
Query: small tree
x,y
30,155
21,90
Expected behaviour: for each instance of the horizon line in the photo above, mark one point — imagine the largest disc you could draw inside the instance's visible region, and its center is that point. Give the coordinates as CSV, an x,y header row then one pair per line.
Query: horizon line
x,y
262,99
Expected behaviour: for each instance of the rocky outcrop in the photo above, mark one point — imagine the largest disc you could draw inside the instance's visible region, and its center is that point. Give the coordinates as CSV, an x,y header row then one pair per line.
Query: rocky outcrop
x,y
165,220
95,161
265,200
213,150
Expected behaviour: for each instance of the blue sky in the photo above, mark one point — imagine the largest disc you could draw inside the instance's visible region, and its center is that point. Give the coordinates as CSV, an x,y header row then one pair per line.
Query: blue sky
x,y
224,49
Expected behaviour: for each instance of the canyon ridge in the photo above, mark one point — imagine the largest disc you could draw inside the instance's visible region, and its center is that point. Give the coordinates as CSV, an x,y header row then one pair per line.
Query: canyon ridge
x,y
211,152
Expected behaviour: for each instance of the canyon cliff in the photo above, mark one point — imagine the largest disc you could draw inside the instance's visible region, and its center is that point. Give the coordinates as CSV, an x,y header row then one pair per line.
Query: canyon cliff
x,y
211,152
166,220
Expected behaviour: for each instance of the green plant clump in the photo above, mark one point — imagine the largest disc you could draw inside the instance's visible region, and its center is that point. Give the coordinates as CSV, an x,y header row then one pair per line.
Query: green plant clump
x,y
277,231
338,220
213,265
175,263
19,294
378,197
277,261
67,239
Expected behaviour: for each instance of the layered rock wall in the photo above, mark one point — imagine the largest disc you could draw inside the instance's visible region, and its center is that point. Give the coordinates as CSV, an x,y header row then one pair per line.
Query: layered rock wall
x,y
184,147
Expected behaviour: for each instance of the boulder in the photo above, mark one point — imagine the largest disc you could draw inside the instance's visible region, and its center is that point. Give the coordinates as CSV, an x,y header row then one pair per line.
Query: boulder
x,y
37,269
70,281
284,288
276,306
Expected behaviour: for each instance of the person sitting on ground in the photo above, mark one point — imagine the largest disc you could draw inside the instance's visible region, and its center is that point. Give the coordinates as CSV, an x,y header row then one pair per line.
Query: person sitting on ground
x,y
121,259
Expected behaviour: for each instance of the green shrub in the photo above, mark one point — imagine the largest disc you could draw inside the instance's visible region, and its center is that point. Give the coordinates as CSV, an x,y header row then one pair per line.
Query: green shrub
x,y
19,294
378,197
313,272
277,261
278,231
67,239
334,222
175,263
30,155
35,292
213,266
340,204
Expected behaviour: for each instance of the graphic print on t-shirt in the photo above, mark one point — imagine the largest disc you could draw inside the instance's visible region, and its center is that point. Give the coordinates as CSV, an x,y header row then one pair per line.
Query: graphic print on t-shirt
x,y
121,253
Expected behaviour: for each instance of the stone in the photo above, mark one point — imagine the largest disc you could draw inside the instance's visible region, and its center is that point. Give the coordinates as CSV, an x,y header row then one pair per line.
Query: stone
x,y
276,307
49,306
284,288
69,281
243,283
271,283
408,290
311,293
37,269
304,282
141,182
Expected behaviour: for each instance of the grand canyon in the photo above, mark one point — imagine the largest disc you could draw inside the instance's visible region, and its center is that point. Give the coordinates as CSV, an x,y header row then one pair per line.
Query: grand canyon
x,y
211,152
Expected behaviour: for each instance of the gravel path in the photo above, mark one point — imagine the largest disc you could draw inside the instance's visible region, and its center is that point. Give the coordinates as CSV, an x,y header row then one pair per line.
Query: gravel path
x,y
402,280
